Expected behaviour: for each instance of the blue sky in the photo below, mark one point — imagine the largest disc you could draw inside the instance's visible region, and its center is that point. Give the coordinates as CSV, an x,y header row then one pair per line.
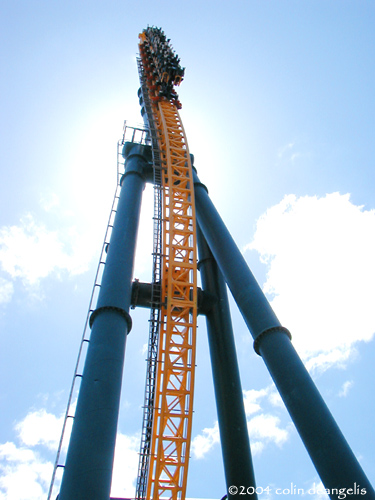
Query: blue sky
x,y
278,108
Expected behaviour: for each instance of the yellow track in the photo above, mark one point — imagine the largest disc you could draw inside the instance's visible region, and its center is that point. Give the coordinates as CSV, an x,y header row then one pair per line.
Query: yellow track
x,y
173,401
170,445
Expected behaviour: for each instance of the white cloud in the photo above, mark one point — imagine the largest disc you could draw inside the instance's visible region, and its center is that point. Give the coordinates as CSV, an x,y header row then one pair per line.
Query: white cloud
x,y
346,386
256,447
251,398
125,468
319,253
26,469
49,200
275,399
6,290
24,474
338,357
287,153
265,428
40,427
31,252
144,348
282,151
204,442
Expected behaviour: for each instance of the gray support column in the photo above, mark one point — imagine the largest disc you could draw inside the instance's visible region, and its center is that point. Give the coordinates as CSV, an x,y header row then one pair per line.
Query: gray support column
x,y
89,463
331,455
234,436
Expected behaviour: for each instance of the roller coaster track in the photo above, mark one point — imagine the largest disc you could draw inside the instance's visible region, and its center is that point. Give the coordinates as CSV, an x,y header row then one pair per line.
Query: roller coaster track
x,y
168,413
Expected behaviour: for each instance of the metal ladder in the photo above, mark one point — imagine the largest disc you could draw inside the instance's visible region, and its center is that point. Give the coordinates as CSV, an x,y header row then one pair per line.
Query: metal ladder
x,y
130,134
149,400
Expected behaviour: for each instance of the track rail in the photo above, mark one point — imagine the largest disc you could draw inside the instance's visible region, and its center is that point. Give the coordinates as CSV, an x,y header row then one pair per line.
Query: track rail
x,y
173,398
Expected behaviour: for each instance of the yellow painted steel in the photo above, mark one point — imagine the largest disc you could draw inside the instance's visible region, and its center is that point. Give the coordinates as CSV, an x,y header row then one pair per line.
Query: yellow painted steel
x,y
172,423
173,401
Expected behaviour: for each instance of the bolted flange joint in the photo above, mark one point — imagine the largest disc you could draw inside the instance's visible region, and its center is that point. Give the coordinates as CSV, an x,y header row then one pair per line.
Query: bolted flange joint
x,y
118,310
133,151
274,329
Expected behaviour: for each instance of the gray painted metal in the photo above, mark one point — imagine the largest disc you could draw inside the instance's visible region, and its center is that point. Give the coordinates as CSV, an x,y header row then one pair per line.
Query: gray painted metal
x,y
142,297
89,463
234,436
329,451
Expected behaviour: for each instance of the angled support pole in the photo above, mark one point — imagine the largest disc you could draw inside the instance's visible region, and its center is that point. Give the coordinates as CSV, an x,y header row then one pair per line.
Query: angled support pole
x,y
89,462
330,453
234,436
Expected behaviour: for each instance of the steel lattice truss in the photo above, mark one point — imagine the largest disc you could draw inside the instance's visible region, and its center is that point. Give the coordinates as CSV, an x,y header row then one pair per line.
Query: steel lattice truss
x,y
173,398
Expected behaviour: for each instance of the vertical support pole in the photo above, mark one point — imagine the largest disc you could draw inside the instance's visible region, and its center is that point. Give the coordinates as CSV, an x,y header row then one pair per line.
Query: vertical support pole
x,y
234,436
89,463
330,453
